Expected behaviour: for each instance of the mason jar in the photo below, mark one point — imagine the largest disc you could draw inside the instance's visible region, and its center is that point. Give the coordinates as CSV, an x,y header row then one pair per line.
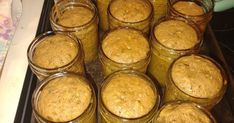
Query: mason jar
x,y
130,13
128,96
79,18
183,112
196,78
102,6
124,48
199,11
53,52
64,97
171,37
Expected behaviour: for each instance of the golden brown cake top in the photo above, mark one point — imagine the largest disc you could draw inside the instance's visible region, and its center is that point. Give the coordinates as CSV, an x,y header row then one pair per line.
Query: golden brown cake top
x,y
64,99
125,46
182,113
55,51
128,96
130,10
176,34
197,76
188,8
76,16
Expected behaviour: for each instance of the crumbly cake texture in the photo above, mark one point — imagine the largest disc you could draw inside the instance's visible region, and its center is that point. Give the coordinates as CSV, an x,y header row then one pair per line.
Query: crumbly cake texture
x,y
188,8
64,99
76,16
125,46
128,96
55,51
182,113
176,34
197,76
130,10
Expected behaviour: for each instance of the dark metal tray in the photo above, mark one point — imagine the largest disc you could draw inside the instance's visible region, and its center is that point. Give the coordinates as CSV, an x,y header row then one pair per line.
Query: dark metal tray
x,y
223,111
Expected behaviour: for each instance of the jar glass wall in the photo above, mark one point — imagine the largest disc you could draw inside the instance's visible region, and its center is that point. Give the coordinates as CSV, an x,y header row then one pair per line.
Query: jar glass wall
x,y
204,80
199,11
121,98
64,97
136,14
80,18
171,37
52,52
160,10
102,6
124,48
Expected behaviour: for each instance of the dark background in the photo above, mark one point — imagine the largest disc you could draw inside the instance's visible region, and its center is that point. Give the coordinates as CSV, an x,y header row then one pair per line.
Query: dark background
x,y
222,24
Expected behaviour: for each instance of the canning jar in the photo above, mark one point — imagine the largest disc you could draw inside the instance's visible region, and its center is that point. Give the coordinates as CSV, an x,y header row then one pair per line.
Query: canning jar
x,y
130,13
79,18
55,51
64,97
160,10
199,11
183,112
124,48
171,37
128,96
197,78
102,6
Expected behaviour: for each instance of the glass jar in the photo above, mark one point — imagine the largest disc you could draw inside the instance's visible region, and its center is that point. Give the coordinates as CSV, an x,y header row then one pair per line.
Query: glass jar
x,y
183,112
124,48
121,98
64,97
102,6
80,18
199,11
160,10
131,13
171,37
55,51
197,78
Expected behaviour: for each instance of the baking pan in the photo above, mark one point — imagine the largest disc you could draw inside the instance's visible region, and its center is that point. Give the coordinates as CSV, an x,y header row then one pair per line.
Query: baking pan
x,y
223,111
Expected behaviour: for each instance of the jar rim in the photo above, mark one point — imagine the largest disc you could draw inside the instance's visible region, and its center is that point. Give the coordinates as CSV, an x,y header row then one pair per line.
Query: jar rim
x,y
210,10
71,4
179,102
37,40
46,81
150,16
223,74
135,73
190,23
101,52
